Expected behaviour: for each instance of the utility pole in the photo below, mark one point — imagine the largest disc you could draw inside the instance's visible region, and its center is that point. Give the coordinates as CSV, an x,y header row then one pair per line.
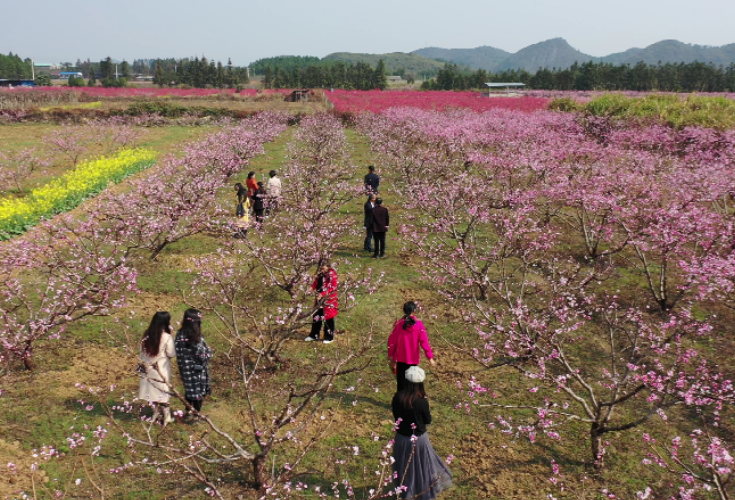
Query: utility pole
x,y
33,71
115,71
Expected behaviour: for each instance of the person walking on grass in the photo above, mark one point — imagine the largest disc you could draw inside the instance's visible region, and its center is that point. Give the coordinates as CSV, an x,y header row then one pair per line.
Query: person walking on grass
x,y
193,355
325,287
372,181
368,222
418,471
156,351
380,222
408,335
273,188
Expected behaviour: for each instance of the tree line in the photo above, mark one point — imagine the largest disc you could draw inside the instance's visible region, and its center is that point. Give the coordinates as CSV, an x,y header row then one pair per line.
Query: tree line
x,y
12,67
285,63
668,77
198,73
359,76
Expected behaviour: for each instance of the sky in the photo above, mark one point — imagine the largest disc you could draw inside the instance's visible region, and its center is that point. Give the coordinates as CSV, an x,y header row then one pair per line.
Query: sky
x,y
56,31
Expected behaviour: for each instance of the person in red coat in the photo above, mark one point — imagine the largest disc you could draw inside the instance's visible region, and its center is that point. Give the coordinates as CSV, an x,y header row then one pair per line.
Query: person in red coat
x,y
325,286
252,186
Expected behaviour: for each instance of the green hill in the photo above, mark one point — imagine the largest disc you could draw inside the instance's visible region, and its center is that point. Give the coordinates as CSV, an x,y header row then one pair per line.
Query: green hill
x,y
394,62
485,57
554,53
674,51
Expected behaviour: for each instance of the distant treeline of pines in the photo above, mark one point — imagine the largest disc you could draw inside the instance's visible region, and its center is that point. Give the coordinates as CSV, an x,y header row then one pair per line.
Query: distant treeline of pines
x,y
13,67
340,75
669,77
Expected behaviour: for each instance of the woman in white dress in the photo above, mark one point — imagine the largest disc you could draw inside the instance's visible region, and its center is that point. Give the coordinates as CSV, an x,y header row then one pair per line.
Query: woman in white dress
x,y
156,351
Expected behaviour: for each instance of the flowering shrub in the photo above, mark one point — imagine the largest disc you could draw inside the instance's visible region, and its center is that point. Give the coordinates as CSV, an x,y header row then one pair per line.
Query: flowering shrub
x,y
356,101
69,190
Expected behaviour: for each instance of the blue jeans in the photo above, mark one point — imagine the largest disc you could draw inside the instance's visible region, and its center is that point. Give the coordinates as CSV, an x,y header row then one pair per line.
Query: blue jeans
x,y
368,245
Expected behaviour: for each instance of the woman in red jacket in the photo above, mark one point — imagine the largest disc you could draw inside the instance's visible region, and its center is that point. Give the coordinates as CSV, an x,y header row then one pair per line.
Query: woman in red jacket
x,y
403,344
325,286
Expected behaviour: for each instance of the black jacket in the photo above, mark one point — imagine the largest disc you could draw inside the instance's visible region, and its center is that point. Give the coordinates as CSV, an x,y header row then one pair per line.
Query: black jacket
x,y
368,209
420,415
381,219
372,182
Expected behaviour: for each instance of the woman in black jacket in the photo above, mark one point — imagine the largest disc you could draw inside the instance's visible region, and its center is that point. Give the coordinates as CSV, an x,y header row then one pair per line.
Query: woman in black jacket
x,y
259,203
418,471
193,355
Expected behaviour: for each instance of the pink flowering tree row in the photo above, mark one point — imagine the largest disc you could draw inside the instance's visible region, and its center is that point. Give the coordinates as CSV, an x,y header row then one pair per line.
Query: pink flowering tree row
x,y
530,226
258,297
73,266
179,199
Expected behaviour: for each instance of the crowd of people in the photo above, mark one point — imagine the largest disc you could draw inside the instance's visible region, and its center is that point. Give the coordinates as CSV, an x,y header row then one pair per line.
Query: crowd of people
x,y
418,472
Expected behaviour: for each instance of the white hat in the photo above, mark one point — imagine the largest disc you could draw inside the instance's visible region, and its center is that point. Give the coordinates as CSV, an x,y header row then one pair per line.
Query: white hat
x,y
415,375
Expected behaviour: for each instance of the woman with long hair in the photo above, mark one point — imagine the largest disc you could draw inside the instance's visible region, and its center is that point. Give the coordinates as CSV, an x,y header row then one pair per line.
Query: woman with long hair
x,y
418,471
407,336
193,355
156,351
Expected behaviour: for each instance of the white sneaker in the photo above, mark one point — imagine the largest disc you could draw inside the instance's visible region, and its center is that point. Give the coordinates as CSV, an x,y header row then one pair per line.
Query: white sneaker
x,y
309,339
327,342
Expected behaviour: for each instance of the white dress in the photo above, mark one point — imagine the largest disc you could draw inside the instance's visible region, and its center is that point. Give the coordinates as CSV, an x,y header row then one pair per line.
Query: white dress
x,y
153,385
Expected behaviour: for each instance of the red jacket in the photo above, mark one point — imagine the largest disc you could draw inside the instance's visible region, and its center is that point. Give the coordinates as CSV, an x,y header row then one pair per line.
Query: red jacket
x,y
329,290
403,345
252,186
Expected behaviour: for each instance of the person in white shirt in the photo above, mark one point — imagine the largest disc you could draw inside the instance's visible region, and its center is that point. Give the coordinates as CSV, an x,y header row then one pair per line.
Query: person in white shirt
x,y
273,188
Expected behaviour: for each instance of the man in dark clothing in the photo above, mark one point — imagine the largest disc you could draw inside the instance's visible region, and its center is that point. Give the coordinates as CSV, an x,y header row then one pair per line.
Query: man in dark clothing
x,y
368,223
380,223
372,181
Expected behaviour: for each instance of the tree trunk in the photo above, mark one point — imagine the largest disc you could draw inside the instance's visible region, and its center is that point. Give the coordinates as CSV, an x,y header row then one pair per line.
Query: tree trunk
x,y
260,472
596,442
28,362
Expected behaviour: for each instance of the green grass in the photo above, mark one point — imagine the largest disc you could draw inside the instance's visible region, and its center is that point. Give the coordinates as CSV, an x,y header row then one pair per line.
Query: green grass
x,y
40,408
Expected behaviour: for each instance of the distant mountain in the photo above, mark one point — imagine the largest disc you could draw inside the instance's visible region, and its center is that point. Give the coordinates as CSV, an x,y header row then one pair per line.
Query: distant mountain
x,y
412,63
674,51
484,57
554,53
557,53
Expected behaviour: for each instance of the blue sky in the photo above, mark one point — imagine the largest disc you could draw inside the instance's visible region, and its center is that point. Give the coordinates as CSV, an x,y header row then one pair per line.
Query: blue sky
x,y
57,31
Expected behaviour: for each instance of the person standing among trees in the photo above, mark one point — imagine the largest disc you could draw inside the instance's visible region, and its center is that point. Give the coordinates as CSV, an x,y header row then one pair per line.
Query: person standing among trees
x,y
259,203
372,181
368,222
379,224
243,219
407,336
242,193
273,188
252,185
193,357
325,286
417,469
157,349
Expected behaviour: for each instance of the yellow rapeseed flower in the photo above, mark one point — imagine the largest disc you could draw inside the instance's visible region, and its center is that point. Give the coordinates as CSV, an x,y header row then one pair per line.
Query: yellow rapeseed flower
x,y
69,190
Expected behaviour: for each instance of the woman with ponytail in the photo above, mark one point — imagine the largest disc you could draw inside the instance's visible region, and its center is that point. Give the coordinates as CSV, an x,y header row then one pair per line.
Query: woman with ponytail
x,y
403,344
